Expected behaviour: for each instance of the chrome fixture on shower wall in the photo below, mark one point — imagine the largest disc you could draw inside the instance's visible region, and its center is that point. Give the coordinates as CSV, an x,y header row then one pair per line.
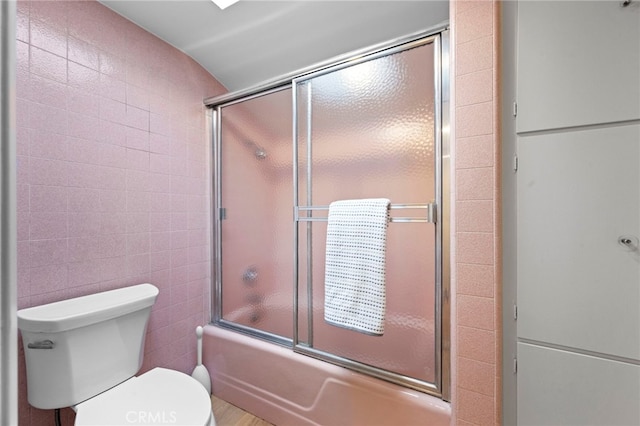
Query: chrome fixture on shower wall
x,y
255,297
259,152
247,139
250,275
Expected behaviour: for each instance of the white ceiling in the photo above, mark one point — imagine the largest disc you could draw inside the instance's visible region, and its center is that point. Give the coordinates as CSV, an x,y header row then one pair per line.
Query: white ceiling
x,y
255,41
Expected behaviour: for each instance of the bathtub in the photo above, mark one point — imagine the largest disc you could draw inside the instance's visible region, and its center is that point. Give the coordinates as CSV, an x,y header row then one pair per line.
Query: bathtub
x,y
287,388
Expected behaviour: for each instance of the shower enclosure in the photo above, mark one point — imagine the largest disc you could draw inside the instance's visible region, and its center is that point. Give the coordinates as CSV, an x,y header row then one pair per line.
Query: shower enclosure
x,y
371,125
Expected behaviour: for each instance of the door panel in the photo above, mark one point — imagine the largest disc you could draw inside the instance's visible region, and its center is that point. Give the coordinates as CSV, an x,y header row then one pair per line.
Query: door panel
x,y
578,63
564,388
578,286
354,148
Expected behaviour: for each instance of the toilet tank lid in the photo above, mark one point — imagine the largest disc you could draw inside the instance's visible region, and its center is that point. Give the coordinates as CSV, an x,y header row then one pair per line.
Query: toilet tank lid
x,y
85,310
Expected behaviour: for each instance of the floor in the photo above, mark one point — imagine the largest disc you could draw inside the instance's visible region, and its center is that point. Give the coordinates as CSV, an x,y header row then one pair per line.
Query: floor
x,y
230,415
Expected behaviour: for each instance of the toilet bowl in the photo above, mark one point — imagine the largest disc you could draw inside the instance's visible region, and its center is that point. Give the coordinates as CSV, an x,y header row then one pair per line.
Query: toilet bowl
x,y
84,353
158,397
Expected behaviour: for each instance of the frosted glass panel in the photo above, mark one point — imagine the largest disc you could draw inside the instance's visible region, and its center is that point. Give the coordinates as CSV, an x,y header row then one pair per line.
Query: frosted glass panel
x,y
257,233
372,129
367,131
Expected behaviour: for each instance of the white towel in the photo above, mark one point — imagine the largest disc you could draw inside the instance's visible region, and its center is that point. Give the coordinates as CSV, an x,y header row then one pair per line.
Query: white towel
x,y
354,288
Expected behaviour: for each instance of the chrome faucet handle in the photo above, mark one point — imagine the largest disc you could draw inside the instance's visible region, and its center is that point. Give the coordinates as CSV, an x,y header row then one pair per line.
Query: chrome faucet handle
x,y
250,275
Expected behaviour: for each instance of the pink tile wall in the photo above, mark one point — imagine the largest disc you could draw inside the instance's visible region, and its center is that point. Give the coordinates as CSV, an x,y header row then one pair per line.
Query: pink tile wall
x,y
113,171
476,356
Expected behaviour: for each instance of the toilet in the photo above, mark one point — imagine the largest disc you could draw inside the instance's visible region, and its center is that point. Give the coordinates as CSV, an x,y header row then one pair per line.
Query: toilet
x,y
84,353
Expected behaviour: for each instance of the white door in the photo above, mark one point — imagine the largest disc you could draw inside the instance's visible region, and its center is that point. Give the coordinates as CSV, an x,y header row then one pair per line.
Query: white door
x,y
578,213
579,277
578,199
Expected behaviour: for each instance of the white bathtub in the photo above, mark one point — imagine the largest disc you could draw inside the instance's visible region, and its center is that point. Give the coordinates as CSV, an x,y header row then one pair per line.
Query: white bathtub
x,y
286,388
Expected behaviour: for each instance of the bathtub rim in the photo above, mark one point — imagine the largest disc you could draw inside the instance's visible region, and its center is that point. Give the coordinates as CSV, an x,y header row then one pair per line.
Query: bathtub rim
x,y
259,404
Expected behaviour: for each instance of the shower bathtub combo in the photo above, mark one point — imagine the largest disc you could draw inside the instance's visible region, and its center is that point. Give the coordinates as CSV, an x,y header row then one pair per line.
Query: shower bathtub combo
x,y
367,125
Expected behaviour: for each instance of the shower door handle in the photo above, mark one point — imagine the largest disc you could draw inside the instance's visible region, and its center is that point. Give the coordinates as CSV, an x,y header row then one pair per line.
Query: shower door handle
x,y
432,213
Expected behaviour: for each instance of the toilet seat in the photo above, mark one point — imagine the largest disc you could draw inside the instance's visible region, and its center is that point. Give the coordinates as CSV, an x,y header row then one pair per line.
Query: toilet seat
x,y
158,397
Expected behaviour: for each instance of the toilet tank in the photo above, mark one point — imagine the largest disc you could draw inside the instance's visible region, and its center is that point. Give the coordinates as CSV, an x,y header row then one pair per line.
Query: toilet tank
x,y
77,348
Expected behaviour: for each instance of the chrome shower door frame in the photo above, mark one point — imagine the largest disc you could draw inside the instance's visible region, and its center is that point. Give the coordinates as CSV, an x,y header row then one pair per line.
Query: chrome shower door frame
x,y
439,210
218,213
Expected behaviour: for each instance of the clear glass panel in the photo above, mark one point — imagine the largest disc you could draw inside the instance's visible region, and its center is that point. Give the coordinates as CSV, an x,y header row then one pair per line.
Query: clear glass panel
x,y
368,132
257,232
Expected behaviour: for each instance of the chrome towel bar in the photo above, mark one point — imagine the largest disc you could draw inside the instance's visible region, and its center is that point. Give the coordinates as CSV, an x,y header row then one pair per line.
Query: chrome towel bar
x,y
430,217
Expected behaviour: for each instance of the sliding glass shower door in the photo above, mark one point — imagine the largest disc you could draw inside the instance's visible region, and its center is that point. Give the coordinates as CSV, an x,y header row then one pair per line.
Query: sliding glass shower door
x,y
254,215
368,127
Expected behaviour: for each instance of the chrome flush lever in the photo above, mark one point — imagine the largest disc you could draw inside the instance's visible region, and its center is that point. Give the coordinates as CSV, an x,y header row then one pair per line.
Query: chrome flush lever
x,y
42,344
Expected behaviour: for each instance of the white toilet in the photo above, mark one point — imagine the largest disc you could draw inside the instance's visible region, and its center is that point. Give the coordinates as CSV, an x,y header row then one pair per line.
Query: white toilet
x,y
84,353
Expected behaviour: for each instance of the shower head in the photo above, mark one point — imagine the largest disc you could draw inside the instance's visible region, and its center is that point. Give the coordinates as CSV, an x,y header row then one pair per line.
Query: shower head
x,y
258,151
260,154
